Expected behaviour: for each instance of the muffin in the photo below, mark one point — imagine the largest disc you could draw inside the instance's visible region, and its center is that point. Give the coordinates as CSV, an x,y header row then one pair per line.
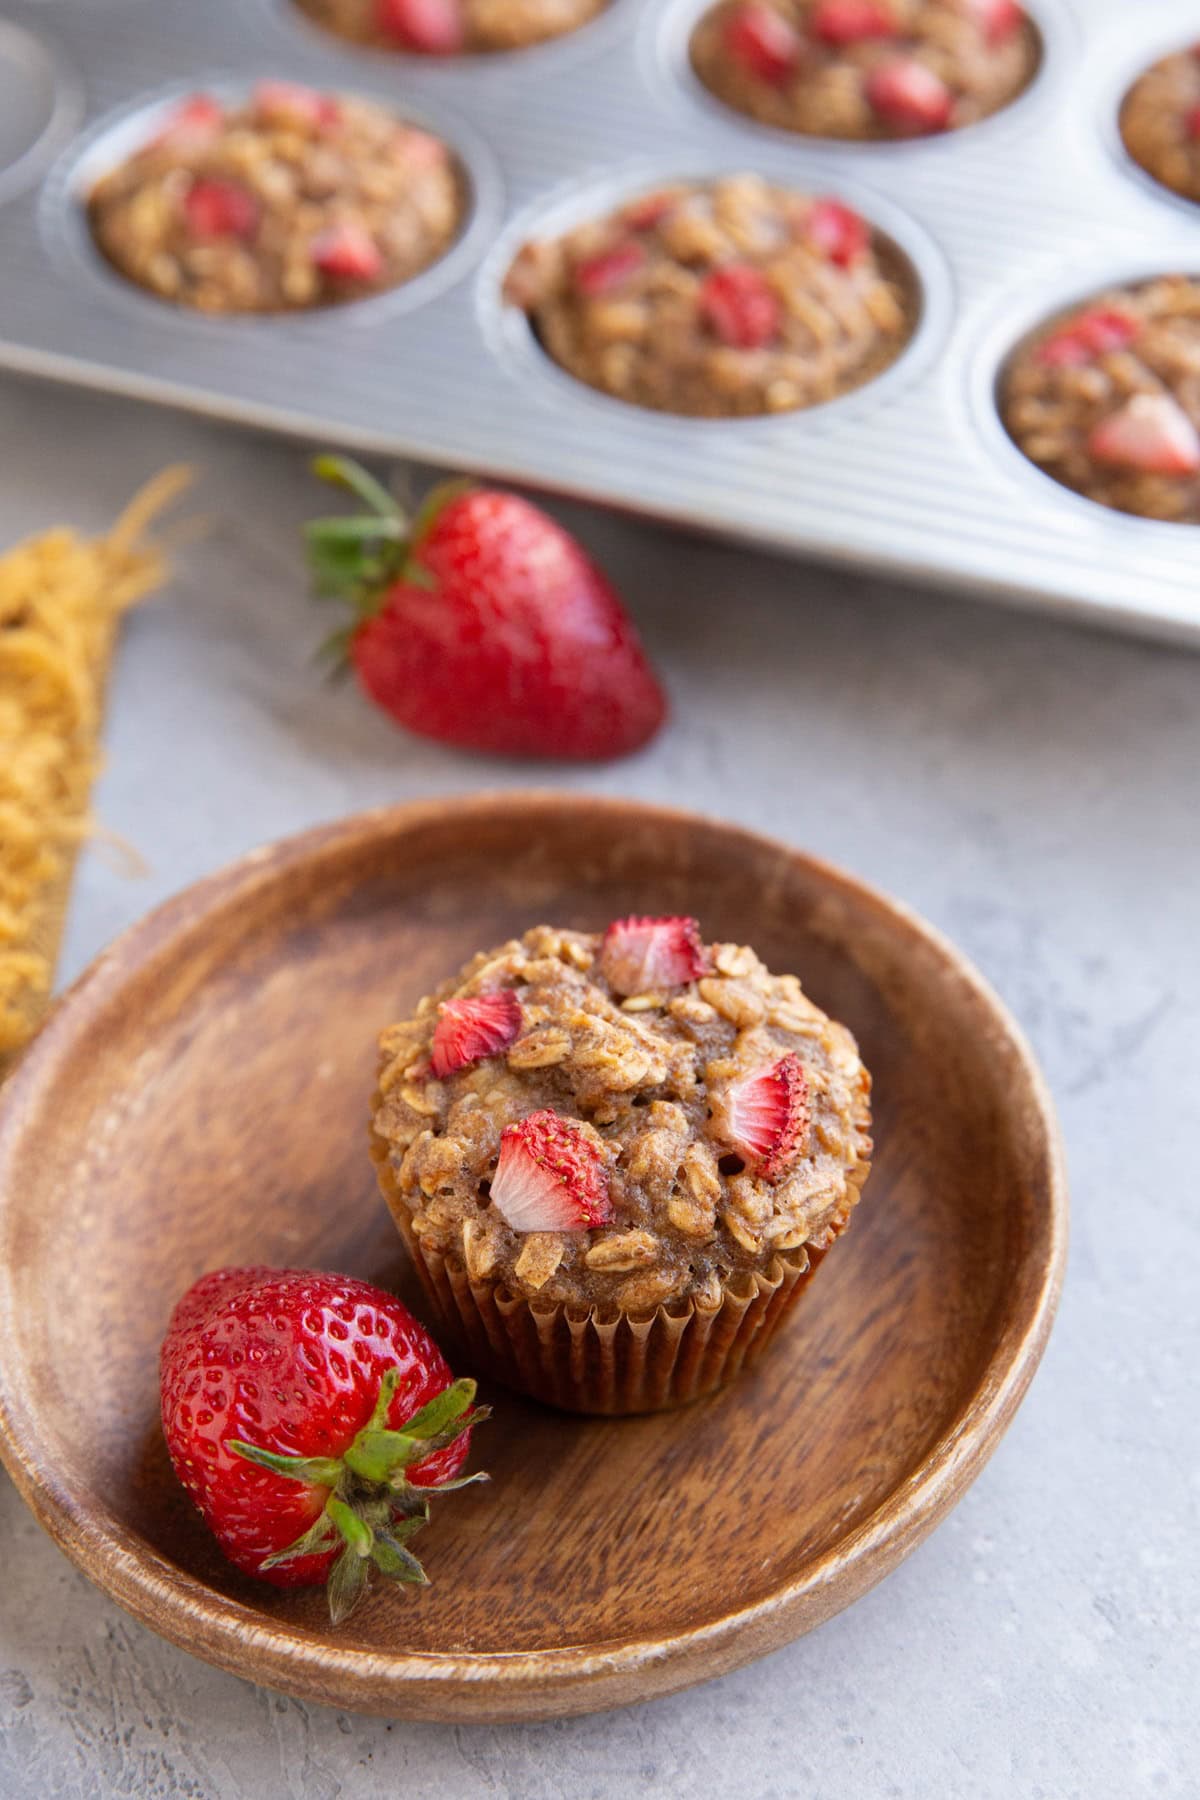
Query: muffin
x,y
866,68
451,27
719,299
295,199
616,1161
1160,122
1106,399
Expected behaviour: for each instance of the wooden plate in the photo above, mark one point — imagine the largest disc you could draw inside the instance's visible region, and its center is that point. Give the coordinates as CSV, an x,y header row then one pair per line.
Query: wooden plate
x,y
200,1098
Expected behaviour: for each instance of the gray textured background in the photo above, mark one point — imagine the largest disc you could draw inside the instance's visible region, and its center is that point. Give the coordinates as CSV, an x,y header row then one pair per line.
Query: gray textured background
x,y
1032,790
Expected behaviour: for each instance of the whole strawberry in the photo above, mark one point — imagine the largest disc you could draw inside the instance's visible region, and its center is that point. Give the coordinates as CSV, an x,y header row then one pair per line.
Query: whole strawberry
x,y
310,1417
482,623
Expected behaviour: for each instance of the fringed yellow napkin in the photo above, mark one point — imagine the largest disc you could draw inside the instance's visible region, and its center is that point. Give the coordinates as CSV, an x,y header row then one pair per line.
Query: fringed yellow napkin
x,y
61,599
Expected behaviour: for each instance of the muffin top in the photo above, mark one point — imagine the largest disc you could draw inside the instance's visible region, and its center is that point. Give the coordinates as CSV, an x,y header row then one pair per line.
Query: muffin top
x,y
1106,399
622,1122
866,68
727,298
451,27
1160,122
294,199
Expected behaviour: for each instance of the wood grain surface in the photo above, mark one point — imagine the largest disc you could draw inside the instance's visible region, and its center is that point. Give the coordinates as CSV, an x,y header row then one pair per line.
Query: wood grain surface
x,y
200,1098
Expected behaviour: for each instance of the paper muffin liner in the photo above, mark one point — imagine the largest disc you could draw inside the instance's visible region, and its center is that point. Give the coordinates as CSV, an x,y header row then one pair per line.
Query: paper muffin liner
x,y
583,1363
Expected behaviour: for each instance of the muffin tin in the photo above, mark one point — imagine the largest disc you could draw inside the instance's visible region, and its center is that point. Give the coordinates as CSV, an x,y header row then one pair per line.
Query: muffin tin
x,y
1004,223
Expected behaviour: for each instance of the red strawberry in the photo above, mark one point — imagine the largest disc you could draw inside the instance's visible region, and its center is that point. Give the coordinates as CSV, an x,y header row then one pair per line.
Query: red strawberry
x,y
1149,432
649,210
434,27
347,253
309,1417
1191,122
762,41
641,955
841,22
909,97
420,149
483,624
766,1117
1087,336
606,273
837,232
997,19
193,123
550,1176
217,208
291,103
740,305
470,1029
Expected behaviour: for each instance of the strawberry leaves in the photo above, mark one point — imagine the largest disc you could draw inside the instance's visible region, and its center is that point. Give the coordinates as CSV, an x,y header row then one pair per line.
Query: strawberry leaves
x,y
372,1508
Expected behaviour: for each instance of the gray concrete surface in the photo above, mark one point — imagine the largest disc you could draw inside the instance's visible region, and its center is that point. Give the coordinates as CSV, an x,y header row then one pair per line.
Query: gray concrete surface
x,y
1031,789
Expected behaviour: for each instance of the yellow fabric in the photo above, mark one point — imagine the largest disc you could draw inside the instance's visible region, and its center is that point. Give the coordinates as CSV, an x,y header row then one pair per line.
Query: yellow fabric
x,y
61,598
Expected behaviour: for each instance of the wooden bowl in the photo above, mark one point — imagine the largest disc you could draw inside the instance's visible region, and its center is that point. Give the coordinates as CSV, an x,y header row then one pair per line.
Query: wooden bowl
x,y
200,1098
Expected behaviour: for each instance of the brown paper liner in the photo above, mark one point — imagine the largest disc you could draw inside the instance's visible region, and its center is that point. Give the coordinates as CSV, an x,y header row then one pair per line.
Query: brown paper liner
x,y
585,1364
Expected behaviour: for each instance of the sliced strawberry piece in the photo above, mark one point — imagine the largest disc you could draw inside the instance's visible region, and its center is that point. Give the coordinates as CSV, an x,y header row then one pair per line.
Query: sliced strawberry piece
x,y
909,97
1149,432
420,149
838,232
291,103
550,1176
433,27
347,253
839,22
641,955
217,208
472,1028
997,19
195,122
1087,336
740,305
762,42
650,210
766,1116
606,273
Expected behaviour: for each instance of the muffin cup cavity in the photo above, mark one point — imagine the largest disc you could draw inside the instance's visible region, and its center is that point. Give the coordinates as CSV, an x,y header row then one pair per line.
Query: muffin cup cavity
x,y
68,231
40,105
1062,402
908,269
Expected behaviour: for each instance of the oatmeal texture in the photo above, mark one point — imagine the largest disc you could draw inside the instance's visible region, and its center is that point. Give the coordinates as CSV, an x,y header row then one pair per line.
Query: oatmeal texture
x,y
451,27
1160,122
722,299
295,199
866,69
1106,399
645,1077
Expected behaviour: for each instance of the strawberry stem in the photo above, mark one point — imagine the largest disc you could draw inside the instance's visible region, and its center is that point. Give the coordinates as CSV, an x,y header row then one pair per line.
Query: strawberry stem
x,y
344,472
372,1508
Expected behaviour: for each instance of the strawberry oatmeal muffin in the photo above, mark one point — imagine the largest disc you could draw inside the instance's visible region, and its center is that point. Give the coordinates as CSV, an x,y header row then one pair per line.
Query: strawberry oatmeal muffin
x,y
866,68
451,27
720,299
1107,399
1160,122
294,199
617,1160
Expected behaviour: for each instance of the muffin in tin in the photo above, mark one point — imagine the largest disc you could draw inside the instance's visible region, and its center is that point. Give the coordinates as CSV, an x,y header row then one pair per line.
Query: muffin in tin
x,y
719,299
616,1160
1160,122
293,199
1106,399
451,27
866,69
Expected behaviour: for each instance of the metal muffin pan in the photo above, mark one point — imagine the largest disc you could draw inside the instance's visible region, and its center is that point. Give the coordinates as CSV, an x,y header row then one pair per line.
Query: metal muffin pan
x,y
1003,224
